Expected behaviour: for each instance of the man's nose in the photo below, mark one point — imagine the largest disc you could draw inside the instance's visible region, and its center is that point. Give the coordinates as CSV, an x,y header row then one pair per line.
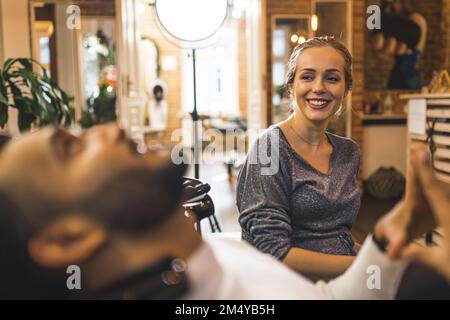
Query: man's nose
x,y
110,132
116,133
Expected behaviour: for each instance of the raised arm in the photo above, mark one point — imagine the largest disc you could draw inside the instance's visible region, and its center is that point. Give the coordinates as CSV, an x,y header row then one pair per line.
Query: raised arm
x,y
426,204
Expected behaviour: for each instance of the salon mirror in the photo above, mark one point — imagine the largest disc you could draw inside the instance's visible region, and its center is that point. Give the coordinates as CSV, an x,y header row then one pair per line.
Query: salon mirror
x,y
340,28
288,32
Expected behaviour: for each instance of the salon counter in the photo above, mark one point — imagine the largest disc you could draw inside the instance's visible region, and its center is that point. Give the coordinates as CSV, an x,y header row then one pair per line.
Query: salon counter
x,y
384,139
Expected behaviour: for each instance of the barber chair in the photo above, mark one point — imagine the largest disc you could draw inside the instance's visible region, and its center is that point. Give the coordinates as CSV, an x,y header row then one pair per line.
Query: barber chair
x,y
197,201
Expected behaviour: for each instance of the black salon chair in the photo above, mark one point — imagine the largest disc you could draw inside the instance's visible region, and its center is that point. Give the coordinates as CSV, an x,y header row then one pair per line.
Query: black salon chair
x,y
197,201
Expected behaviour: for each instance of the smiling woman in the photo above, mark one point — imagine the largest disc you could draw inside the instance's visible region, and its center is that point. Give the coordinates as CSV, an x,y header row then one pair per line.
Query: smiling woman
x,y
303,213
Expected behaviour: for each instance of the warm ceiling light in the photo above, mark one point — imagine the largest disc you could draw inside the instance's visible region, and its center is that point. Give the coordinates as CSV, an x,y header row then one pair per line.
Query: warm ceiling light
x,y
301,39
44,27
39,4
314,22
294,38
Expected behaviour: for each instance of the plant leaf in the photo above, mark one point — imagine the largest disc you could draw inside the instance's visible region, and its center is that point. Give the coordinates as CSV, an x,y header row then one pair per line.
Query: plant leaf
x,y
3,99
33,94
8,63
3,114
25,120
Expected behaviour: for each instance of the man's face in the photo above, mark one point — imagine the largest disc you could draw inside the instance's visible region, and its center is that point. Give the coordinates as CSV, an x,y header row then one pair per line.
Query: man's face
x,y
68,166
76,196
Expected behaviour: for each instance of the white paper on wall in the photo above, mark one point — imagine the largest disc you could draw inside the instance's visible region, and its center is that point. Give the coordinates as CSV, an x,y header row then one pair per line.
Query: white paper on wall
x,y
417,116
169,63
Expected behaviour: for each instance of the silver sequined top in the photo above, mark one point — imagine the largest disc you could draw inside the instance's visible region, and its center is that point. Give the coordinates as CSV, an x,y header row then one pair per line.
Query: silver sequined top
x,y
296,205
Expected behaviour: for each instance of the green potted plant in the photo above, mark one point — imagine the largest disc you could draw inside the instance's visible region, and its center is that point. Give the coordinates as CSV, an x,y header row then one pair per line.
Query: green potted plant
x,y
101,108
26,86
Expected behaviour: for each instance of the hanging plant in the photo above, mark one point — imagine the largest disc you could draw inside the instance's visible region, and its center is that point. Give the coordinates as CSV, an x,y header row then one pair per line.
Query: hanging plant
x,y
26,86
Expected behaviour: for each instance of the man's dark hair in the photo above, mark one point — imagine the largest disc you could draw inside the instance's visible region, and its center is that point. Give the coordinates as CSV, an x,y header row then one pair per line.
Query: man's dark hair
x,y
157,89
134,201
20,276
4,139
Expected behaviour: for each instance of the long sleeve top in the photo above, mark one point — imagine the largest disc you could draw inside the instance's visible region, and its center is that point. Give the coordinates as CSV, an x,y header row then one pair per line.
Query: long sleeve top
x,y
285,202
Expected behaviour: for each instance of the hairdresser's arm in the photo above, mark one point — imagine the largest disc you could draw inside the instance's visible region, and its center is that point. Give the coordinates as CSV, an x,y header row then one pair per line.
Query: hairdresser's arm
x,y
426,203
372,276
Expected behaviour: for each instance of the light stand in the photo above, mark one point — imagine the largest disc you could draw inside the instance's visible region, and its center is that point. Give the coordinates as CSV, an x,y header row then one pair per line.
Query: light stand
x,y
194,116
192,24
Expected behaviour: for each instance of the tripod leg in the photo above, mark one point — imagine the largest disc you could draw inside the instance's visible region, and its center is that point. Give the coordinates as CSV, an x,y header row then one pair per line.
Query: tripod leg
x,y
217,223
199,227
213,229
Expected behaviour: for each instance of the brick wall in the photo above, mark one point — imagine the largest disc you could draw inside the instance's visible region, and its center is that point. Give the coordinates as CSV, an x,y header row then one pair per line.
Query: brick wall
x,y
445,29
359,26
378,66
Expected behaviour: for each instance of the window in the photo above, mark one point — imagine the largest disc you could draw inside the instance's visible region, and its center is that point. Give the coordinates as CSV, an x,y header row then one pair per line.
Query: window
x,y
216,77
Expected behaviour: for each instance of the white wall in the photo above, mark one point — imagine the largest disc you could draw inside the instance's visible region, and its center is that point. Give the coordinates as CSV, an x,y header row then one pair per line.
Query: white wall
x,y
384,145
256,66
1,36
15,37
68,57
221,56
15,28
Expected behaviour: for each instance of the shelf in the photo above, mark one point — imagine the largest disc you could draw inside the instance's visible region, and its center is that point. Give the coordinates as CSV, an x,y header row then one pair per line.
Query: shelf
x,y
438,109
383,119
382,116
425,96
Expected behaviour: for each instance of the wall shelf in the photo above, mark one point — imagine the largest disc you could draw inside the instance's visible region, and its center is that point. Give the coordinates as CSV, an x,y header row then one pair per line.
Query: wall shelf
x,y
437,109
425,96
382,119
